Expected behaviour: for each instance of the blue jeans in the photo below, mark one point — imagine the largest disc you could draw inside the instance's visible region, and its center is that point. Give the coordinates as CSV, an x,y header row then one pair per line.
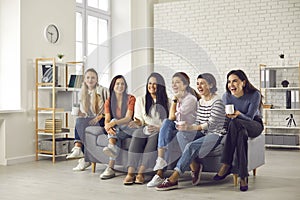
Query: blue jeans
x,y
80,126
122,132
167,135
197,148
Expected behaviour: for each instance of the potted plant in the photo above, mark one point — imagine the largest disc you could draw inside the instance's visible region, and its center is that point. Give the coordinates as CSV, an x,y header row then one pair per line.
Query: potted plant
x,y
281,56
60,56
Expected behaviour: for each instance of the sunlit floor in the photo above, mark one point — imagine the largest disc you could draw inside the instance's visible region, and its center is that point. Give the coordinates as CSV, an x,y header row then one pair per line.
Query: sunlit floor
x,y
279,178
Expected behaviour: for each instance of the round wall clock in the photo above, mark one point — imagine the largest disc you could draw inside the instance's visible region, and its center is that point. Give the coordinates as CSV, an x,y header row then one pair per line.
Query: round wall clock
x,y
52,33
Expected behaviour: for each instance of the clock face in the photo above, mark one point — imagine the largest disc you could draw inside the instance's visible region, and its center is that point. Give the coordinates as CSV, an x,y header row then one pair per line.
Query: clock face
x,y
52,33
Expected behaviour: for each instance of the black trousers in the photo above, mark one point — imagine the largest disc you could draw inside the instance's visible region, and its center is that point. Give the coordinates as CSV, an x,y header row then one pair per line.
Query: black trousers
x,y
237,141
142,149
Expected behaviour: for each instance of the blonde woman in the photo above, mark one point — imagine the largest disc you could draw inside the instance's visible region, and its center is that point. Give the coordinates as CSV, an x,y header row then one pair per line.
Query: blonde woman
x,y
91,113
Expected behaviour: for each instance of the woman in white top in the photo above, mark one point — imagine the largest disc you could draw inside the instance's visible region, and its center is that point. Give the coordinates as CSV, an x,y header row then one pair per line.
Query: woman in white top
x,y
91,97
149,112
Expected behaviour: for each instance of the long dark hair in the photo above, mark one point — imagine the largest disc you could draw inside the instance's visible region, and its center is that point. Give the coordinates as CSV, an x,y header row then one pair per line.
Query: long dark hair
x,y
113,99
161,97
186,81
248,88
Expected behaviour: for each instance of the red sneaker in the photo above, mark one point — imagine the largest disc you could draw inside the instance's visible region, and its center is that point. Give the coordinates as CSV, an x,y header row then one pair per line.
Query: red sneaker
x,y
196,175
167,185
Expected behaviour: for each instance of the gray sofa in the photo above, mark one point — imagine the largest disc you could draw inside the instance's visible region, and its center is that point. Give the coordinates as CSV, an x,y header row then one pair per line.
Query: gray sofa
x,y
95,141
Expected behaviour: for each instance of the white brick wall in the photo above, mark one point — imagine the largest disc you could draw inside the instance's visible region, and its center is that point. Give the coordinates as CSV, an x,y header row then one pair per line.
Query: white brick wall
x,y
230,34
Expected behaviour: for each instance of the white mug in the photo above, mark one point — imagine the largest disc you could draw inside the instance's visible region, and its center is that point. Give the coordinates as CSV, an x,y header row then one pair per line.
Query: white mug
x,y
75,111
179,123
145,131
229,109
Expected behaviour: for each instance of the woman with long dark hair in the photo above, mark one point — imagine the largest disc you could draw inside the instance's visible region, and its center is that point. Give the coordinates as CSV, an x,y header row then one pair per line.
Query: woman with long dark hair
x,y
119,108
243,123
149,112
182,110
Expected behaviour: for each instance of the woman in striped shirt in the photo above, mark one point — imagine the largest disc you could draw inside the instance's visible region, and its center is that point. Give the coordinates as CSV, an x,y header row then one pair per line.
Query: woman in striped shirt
x,y
209,127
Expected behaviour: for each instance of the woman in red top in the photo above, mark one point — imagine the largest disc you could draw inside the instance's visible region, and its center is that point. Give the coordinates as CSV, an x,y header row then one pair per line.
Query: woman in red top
x,y
119,108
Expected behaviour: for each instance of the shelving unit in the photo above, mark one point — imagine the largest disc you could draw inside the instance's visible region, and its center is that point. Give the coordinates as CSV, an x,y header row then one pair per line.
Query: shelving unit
x,y
52,122
278,134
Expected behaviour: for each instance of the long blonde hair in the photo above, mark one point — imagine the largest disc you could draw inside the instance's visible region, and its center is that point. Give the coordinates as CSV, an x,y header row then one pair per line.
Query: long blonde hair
x,y
86,98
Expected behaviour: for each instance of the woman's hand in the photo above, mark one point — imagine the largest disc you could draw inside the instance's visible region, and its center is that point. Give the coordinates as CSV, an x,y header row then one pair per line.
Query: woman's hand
x,y
110,125
111,131
179,94
234,115
182,126
153,129
135,124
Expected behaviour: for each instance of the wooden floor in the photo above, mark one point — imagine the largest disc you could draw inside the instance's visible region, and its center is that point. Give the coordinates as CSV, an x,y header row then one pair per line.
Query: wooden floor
x,y
278,179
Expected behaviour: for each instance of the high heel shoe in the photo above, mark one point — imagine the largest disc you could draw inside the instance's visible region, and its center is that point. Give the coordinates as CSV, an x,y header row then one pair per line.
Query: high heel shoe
x,y
245,187
218,178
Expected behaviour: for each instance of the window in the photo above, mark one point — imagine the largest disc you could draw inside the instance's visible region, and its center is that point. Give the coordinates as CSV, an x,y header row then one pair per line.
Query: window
x,y
92,32
10,64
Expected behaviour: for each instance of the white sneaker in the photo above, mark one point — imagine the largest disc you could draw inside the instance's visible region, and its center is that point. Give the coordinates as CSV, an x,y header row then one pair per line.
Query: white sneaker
x,y
76,153
160,164
155,181
108,173
110,150
82,165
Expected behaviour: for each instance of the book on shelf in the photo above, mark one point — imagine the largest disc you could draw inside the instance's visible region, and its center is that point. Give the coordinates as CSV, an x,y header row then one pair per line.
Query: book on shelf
x,y
75,81
295,104
49,125
47,74
268,78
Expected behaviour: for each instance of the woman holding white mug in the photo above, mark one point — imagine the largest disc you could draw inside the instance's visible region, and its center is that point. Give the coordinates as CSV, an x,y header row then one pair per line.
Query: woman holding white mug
x,y
244,122
149,112
90,113
183,108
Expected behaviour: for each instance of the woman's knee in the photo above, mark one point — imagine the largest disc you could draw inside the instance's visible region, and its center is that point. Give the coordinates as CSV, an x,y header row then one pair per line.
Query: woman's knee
x,y
166,122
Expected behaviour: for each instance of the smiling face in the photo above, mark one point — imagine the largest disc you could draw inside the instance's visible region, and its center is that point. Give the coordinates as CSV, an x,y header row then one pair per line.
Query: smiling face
x,y
178,85
152,86
235,85
90,80
119,86
203,87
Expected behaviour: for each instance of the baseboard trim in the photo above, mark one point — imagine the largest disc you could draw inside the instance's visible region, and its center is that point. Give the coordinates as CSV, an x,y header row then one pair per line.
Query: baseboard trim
x,y
20,159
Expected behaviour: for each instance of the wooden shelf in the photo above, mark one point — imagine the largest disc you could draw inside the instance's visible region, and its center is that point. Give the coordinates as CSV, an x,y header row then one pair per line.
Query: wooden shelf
x,y
282,109
283,127
282,146
281,88
280,67
269,93
49,91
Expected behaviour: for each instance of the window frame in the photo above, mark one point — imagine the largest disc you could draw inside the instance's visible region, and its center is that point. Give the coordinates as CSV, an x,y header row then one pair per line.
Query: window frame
x,y
87,11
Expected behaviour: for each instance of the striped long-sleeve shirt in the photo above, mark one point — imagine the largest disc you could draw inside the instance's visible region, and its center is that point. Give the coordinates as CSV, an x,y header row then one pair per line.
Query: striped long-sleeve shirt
x,y
211,115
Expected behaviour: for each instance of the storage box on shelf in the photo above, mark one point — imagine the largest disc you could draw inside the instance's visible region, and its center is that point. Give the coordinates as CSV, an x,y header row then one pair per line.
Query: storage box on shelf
x,y
53,102
280,87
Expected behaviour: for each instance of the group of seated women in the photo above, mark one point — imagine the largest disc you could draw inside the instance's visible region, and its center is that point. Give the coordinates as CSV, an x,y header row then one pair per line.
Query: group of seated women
x,y
196,119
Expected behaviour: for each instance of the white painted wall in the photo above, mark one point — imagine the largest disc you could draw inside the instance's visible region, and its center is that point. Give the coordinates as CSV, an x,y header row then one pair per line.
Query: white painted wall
x,y
121,39
18,128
